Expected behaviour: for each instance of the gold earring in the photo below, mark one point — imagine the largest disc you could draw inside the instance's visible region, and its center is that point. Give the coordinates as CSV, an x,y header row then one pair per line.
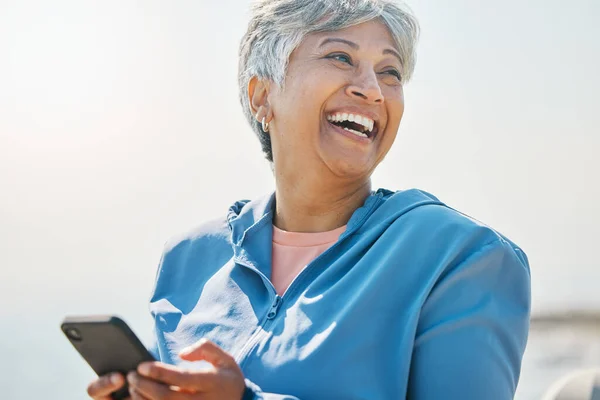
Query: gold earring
x,y
265,125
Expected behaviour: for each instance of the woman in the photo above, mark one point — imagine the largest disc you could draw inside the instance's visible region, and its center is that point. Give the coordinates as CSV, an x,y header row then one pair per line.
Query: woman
x,y
327,289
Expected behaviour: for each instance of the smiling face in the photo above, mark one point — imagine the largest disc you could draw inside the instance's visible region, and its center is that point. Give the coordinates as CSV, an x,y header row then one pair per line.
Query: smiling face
x,y
341,104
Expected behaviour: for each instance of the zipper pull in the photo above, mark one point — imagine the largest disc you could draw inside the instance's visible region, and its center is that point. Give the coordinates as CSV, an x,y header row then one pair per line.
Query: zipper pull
x,y
274,308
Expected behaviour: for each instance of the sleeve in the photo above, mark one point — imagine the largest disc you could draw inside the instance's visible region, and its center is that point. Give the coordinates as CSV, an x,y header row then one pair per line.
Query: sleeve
x,y
153,348
153,345
473,328
254,392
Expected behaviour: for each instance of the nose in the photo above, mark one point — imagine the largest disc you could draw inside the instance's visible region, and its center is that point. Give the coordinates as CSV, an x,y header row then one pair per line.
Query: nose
x,y
366,87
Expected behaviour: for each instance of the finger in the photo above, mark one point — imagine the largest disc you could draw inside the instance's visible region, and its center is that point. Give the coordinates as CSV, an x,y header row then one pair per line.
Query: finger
x,y
135,395
101,388
206,350
191,381
153,390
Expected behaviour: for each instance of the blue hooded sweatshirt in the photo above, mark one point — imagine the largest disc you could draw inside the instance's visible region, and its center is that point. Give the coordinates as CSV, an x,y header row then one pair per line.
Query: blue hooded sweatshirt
x,y
415,300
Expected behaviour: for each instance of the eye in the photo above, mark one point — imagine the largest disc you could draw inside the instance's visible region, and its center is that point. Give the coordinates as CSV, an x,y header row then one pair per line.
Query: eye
x,y
394,72
345,58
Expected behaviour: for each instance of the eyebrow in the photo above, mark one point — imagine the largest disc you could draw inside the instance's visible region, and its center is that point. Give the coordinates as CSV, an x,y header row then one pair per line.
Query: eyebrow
x,y
356,46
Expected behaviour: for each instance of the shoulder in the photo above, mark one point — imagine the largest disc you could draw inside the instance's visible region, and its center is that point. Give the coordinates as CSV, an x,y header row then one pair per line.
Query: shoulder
x,y
443,224
212,231
206,244
471,264
192,256
446,238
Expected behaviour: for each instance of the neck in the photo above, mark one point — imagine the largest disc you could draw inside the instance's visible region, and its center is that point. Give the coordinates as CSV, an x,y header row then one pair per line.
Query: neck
x,y
304,206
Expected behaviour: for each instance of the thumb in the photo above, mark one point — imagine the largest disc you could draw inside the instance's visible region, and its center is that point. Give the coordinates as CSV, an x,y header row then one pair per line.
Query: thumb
x,y
206,350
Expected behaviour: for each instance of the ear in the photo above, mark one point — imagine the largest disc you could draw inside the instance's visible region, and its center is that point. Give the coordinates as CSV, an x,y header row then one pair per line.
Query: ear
x,y
258,94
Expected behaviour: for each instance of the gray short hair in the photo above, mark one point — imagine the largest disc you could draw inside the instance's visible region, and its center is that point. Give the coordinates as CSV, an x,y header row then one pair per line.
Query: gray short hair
x,y
277,27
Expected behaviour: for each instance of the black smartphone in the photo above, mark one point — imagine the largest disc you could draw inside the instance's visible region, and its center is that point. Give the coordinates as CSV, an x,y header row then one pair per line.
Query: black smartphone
x,y
107,344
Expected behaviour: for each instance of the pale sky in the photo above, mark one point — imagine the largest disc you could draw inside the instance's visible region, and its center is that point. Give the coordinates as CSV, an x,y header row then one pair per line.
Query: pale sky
x,y
120,126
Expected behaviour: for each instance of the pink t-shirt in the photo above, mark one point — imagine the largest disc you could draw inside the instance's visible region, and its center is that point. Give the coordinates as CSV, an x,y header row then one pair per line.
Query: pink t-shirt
x,y
292,251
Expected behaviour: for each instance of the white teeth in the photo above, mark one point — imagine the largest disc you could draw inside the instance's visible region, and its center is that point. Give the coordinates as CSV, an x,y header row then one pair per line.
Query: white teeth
x,y
368,123
357,133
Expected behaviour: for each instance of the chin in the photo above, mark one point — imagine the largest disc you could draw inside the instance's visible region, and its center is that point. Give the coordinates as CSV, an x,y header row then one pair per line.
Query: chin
x,y
349,168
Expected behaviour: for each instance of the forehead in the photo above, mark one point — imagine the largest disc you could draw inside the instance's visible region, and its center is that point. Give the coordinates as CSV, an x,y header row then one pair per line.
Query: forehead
x,y
367,34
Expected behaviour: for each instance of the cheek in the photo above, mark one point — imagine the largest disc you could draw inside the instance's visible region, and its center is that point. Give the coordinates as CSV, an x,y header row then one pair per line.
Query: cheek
x,y
317,84
303,99
316,91
395,111
396,107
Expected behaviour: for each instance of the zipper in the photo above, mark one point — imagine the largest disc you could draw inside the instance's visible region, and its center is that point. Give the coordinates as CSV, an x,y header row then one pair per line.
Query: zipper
x,y
274,308
260,331
269,318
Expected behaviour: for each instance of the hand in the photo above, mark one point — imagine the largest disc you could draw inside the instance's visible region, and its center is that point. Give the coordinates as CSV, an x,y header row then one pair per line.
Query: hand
x,y
158,381
101,388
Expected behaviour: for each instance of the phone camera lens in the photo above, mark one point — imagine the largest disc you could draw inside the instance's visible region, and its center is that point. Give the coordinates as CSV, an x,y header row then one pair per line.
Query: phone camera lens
x,y
73,334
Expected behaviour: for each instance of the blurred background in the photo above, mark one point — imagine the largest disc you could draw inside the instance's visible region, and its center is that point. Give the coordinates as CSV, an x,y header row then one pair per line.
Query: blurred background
x,y
120,126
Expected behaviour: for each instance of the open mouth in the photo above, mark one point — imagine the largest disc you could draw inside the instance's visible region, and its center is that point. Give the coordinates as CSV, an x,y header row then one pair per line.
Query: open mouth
x,y
360,126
